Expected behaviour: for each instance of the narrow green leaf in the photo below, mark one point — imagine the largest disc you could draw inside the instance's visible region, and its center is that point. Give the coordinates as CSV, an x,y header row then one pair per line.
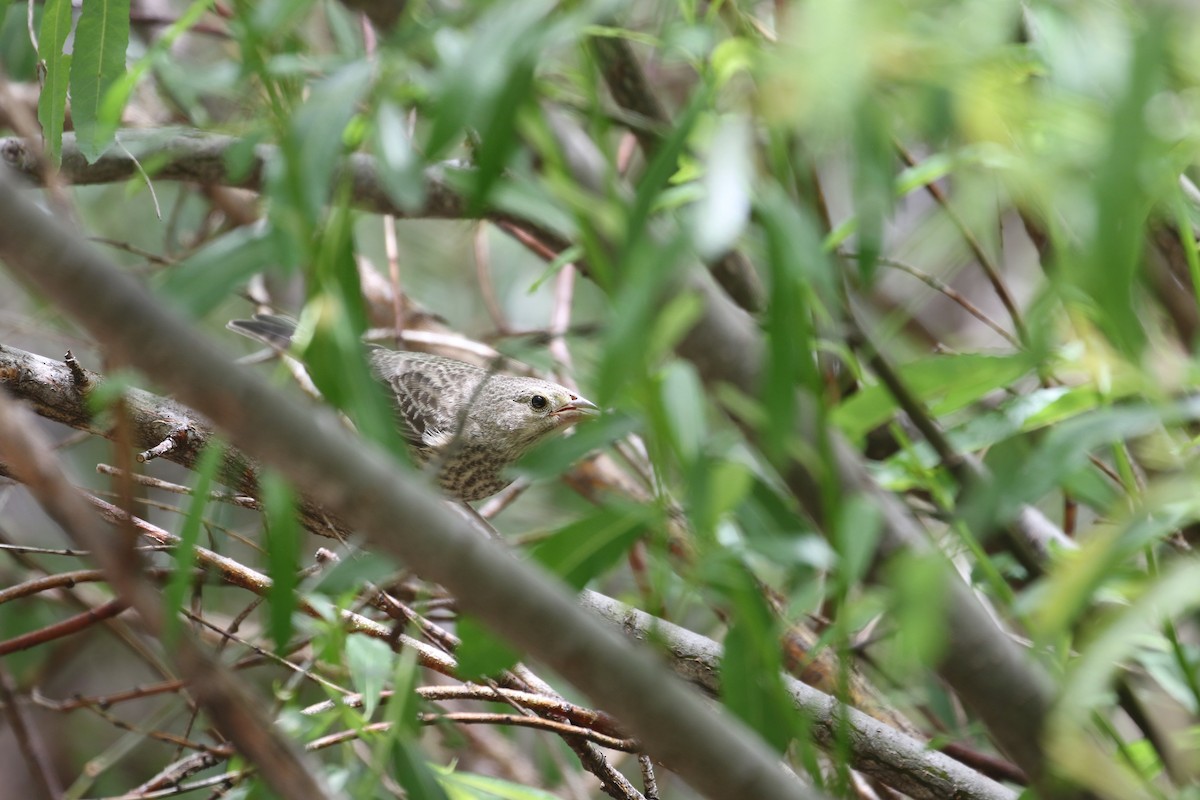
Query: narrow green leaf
x,y
943,383
185,551
115,98
400,165
283,554
52,104
1109,270
552,457
591,546
470,786
751,667
209,276
101,38
481,654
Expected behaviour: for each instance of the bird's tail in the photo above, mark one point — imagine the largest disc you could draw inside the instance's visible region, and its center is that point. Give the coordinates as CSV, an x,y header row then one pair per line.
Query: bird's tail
x,y
272,330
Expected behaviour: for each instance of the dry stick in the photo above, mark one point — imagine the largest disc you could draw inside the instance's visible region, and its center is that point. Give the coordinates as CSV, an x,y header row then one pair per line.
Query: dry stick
x,y
28,454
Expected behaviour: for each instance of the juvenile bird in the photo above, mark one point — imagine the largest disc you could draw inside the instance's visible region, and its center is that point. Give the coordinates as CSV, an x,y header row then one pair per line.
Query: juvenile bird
x,y
469,422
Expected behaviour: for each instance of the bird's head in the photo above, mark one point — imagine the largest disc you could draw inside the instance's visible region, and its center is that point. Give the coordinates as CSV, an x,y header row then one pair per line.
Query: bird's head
x,y
526,409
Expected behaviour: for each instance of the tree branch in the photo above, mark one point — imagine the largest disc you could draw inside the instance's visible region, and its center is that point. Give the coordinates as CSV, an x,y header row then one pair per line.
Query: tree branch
x,y
713,752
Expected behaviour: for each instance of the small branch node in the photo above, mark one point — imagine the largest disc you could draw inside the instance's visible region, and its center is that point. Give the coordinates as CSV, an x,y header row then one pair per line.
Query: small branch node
x,y
78,376
178,437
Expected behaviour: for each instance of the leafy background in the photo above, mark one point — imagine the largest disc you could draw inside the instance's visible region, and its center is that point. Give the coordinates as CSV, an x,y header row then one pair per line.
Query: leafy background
x,y
962,237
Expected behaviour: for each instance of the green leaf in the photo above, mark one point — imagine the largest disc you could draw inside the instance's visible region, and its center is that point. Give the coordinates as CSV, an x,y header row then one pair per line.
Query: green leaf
x,y
481,654
593,545
413,773
101,38
370,664
400,166
469,786
209,276
1109,270
751,666
943,383
123,86
52,104
552,456
302,184
185,551
283,554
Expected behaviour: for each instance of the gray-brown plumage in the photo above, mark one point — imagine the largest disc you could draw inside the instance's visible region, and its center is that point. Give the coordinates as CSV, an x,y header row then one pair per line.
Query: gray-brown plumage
x,y
469,423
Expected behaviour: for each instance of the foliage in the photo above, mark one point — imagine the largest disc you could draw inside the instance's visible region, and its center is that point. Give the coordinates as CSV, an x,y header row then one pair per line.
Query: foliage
x,y
962,236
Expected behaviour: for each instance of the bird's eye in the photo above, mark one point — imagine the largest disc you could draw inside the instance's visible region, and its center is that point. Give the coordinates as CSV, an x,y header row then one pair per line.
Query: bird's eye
x,y
538,402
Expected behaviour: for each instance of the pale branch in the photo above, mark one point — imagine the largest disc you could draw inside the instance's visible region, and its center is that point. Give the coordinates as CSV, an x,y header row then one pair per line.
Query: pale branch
x,y
715,753
53,389
31,458
208,159
897,760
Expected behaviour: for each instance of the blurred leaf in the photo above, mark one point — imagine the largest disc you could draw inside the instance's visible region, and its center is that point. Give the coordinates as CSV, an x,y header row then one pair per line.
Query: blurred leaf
x,y
799,275
283,554
401,168
917,607
334,354
724,209
1109,271
209,276
1077,575
943,383
370,663
1027,478
752,686
553,456
1090,676
314,144
113,102
189,535
592,545
856,538
682,398
481,654
469,786
873,170
478,83
52,103
412,772
98,60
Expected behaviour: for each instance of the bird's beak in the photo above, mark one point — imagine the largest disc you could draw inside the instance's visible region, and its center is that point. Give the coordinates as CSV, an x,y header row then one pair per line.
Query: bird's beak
x,y
576,409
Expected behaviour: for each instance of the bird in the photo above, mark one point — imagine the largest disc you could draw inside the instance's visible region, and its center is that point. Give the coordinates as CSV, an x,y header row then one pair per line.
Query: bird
x,y
468,422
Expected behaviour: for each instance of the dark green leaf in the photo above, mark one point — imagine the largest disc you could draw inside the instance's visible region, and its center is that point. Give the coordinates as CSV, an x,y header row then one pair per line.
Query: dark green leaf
x,y
593,545
211,275
185,551
481,654
283,554
52,104
98,60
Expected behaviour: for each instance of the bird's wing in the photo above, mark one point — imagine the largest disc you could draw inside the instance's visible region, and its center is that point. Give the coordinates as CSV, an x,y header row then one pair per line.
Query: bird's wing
x,y
423,394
